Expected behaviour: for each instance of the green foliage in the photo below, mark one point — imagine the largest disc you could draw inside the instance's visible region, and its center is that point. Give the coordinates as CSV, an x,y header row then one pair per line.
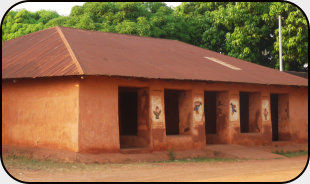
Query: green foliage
x,y
246,30
44,16
290,154
294,35
23,162
202,159
18,23
172,155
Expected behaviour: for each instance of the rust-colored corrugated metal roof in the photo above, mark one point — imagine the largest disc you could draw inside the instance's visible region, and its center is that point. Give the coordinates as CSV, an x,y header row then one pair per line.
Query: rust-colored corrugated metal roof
x,y
39,54
63,51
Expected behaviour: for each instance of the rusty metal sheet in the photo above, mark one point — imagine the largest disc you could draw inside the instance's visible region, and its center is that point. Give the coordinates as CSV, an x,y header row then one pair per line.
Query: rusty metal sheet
x,y
100,53
38,54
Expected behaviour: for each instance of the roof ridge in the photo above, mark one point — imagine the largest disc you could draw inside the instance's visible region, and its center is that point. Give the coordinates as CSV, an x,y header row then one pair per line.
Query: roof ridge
x,y
123,34
65,41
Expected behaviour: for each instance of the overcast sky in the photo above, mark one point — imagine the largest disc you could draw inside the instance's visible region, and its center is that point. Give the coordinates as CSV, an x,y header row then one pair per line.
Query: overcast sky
x,y
62,8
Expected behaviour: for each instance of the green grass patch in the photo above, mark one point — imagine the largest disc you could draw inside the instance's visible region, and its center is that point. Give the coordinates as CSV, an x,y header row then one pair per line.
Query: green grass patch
x,y
23,162
290,154
173,158
172,155
201,159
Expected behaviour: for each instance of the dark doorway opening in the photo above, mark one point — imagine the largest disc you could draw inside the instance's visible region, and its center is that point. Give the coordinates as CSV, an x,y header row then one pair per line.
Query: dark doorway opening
x,y
274,116
172,111
133,115
210,112
244,112
128,111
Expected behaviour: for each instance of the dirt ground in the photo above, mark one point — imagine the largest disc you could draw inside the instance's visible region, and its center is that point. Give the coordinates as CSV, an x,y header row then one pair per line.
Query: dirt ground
x,y
281,169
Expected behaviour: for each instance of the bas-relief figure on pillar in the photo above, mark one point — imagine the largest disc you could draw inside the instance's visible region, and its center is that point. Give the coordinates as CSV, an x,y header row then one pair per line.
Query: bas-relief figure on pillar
x,y
198,110
265,110
234,109
157,111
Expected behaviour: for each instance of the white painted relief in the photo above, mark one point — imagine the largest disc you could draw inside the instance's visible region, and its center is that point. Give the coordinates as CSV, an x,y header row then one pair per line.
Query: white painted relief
x,y
265,110
234,109
157,110
198,109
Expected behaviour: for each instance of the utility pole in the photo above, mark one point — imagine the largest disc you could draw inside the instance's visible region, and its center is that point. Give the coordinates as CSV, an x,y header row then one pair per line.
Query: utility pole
x,y
280,45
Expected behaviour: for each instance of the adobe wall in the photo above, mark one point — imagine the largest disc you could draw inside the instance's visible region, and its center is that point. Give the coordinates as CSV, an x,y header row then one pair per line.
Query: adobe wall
x,y
40,113
144,138
98,116
293,107
222,120
98,127
81,115
255,122
99,100
261,133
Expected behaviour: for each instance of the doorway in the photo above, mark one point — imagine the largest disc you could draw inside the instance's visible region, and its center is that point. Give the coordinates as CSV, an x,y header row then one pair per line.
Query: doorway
x,y
274,116
250,121
210,112
128,111
178,112
244,112
172,112
133,117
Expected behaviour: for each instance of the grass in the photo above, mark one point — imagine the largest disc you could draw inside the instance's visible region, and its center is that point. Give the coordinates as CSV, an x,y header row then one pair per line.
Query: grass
x,y
172,155
25,163
173,158
290,154
201,159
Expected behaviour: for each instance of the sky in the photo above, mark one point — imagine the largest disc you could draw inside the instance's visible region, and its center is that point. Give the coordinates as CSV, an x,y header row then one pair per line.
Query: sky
x,y
62,8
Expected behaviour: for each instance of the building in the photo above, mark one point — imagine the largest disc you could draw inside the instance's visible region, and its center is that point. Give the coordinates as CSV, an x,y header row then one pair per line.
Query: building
x,y
96,92
300,74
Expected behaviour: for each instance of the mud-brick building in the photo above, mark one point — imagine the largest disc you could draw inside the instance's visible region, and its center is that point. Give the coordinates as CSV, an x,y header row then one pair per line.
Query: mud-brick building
x,y
96,92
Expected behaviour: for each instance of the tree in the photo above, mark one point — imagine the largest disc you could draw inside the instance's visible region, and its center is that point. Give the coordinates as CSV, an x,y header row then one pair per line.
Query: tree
x,y
44,16
18,23
294,35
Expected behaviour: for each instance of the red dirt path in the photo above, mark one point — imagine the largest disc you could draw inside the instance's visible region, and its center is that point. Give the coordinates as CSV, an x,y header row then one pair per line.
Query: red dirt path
x,y
248,170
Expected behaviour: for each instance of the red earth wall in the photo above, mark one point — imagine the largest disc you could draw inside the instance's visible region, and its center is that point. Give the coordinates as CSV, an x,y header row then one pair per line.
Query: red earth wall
x,y
40,113
81,115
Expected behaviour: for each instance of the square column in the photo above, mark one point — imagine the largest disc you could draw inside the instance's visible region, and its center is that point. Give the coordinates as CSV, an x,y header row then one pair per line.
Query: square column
x,y
157,119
